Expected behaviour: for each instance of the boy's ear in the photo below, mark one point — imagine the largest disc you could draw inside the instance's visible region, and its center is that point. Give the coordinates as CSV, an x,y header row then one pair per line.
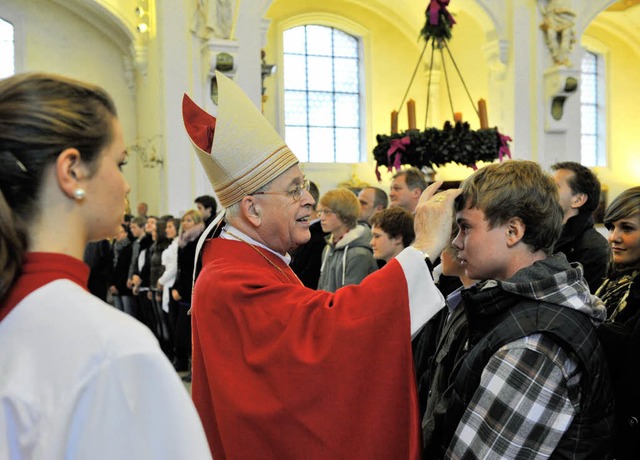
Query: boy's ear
x,y
515,231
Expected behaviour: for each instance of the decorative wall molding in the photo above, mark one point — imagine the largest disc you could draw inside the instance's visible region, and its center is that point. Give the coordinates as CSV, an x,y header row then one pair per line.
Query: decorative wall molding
x,y
497,55
129,72
140,53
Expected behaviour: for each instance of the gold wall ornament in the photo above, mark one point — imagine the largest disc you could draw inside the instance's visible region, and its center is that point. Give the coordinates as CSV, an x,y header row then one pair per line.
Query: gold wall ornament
x,y
558,26
147,151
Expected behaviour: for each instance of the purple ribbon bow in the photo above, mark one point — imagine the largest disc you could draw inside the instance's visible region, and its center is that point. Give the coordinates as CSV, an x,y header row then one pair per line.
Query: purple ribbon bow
x,y
504,147
435,6
399,146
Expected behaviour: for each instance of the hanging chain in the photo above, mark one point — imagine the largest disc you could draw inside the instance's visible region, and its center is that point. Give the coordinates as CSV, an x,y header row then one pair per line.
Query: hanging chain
x,y
442,43
461,79
426,115
412,77
446,80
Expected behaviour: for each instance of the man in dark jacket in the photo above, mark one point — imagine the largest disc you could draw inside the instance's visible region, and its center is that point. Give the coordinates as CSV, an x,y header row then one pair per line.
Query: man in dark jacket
x,y
307,259
579,190
207,206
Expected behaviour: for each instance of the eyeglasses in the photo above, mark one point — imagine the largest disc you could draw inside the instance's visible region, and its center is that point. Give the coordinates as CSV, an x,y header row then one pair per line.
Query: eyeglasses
x,y
295,193
328,212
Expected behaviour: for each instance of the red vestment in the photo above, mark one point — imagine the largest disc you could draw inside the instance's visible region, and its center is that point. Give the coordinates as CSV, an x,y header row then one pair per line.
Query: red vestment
x,y
283,371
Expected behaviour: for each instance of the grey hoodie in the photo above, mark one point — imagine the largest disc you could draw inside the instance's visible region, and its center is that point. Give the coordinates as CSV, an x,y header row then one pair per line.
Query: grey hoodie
x,y
348,261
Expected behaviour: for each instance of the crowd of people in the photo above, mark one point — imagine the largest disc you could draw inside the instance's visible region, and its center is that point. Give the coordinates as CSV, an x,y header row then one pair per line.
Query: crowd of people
x,y
146,271
487,321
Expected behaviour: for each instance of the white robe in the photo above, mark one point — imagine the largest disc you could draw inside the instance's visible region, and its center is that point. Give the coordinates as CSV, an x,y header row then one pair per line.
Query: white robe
x,y
82,380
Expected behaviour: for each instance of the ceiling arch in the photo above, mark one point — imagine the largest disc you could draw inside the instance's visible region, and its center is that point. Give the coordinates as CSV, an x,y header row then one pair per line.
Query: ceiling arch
x,y
110,17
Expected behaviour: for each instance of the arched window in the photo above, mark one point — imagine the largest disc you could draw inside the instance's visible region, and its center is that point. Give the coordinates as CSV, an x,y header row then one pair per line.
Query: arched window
x,y
322,94
7,50
592,105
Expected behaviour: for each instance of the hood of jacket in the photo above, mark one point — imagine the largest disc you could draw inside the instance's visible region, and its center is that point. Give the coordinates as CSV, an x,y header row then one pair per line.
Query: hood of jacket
x,y
552,280
359,236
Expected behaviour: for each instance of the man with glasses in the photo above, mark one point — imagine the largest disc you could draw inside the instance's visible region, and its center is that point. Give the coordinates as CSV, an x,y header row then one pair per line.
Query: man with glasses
x,y
281,370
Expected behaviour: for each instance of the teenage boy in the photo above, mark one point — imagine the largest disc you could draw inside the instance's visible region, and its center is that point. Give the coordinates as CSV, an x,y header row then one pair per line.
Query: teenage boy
x,y
533,382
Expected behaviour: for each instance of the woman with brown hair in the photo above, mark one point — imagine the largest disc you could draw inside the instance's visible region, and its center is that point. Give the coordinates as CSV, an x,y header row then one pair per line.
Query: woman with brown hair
x,y
80,379
620,293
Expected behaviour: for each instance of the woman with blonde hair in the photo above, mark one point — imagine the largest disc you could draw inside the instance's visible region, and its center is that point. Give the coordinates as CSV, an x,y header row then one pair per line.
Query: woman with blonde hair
x,y
80,379
347,257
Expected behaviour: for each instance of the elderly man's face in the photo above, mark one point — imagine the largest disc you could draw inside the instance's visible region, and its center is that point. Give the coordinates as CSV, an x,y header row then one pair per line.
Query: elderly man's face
x,y
284,221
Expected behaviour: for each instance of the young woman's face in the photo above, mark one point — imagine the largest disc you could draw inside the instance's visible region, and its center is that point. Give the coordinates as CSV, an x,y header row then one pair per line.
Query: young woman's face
x,y
150,226
106,189
187,222
624,239
171,230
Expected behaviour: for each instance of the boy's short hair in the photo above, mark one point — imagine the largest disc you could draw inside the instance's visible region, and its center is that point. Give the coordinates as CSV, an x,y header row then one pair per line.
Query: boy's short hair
x,y
139,221
207,202
516,188
315,193
395,222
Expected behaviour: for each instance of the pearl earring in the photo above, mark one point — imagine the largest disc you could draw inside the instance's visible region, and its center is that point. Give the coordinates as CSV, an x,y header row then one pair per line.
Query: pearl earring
x,y
79,194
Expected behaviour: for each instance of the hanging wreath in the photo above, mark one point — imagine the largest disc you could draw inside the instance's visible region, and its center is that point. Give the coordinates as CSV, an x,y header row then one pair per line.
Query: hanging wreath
x,y
453,143
437,147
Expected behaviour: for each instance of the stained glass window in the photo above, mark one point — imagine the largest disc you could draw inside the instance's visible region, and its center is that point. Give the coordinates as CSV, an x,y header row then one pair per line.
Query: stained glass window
x,y
322,94
592,110
7,66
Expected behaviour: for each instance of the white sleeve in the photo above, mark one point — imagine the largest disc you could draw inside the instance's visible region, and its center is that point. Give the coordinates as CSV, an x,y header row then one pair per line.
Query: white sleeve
x,y
136,407
425,299
170,262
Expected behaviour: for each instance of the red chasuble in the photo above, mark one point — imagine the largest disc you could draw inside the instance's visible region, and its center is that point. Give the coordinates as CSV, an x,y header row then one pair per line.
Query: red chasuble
x,y
283,371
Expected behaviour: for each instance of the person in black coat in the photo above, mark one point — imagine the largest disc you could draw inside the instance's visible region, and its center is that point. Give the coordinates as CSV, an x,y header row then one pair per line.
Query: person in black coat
x,y
579,190
307,259
97,255
191,228
121,250
207,207
139,281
